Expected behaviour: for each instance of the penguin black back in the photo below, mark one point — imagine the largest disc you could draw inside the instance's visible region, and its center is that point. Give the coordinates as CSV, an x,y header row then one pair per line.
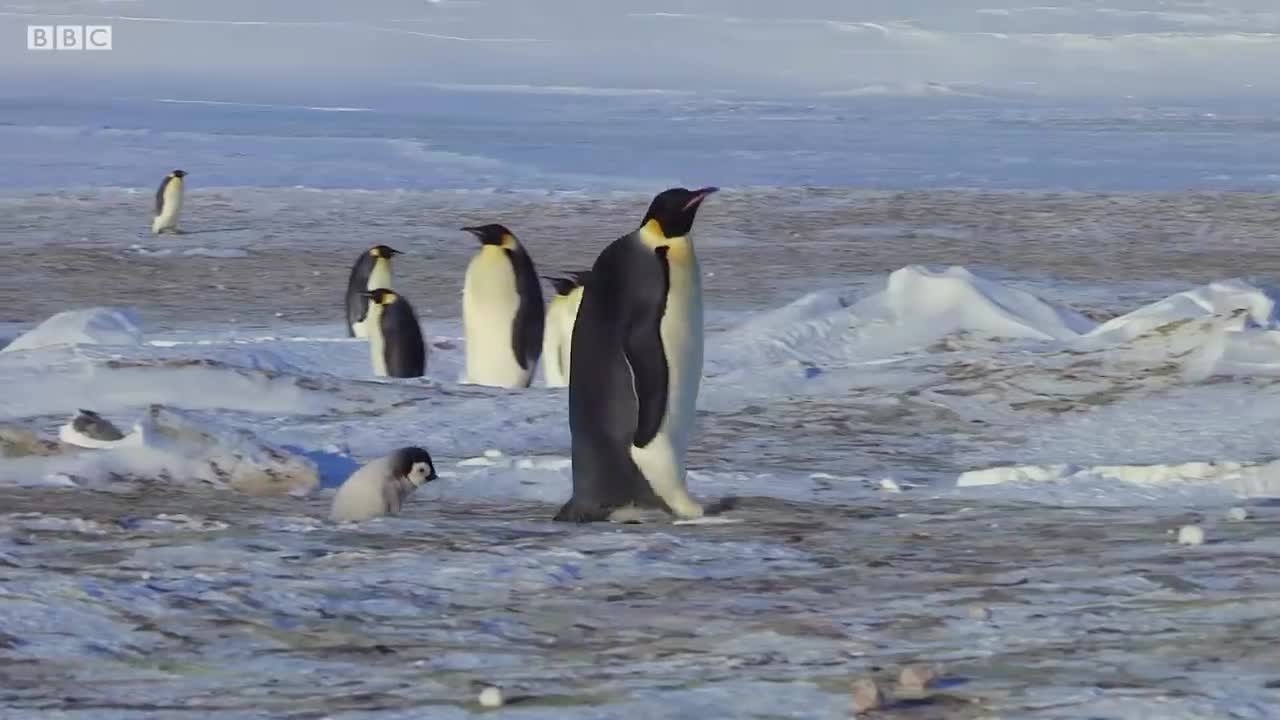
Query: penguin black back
x,y
526,331
358,283
406,352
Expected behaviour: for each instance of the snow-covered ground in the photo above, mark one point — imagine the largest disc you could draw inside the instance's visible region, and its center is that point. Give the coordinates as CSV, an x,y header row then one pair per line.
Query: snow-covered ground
x,y
990,320
935,464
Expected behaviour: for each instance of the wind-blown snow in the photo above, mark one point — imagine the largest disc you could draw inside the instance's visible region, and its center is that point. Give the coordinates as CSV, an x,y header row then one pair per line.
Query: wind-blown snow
x,y
95,326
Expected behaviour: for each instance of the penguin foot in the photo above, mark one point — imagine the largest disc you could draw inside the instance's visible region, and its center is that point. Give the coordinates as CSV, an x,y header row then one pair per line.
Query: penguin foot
x,y
722,505
579,512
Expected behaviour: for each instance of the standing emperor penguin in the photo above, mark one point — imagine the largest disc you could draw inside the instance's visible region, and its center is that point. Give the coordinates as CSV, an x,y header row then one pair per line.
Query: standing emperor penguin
x,y
371,271
502,314
637,364
557,338
168,203
395,338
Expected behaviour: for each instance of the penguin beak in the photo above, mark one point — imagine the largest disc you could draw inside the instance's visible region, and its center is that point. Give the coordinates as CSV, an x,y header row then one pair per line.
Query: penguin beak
x,y
474,231
698,197
395,251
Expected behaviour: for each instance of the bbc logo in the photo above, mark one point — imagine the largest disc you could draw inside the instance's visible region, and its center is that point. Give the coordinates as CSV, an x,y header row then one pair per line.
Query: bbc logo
x,y
68,37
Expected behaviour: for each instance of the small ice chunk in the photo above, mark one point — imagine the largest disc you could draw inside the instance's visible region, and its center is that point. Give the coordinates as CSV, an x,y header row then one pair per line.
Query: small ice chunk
x,y
493,453
888,485
491,697
1191,535
1237,514
866,695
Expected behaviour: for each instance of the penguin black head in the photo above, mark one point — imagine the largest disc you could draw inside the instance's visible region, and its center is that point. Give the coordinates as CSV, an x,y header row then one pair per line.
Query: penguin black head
x,y
565,285
383,251
675,209
381,296
494,234
413,463
179,173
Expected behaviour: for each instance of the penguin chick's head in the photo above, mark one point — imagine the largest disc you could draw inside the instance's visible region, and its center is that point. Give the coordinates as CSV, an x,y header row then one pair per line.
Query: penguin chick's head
x,y
383,251
413,464
565,285
675,209
494,234
381,296
179,173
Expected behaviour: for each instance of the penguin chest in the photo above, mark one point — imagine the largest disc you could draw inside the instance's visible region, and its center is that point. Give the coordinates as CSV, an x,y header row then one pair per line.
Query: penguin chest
x,y
379,276
489,306
377,340
172,199
681,330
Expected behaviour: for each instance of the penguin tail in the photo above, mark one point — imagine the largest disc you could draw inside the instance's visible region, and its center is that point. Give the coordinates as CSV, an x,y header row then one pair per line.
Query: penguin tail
x,y
577,511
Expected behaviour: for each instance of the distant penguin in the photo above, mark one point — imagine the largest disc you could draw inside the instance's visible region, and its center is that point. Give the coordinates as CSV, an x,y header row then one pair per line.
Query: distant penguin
x,y
371,271
168,203
381,487
502,313
637,364
395,338
557,337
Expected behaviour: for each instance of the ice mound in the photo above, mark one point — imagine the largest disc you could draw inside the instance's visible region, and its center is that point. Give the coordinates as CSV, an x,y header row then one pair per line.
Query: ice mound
x,y
170,446
955,300
1108,484
91,326
1219,298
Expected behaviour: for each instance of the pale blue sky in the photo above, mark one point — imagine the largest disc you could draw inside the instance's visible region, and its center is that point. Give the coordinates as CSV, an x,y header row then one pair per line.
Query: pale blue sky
x,y
1078,48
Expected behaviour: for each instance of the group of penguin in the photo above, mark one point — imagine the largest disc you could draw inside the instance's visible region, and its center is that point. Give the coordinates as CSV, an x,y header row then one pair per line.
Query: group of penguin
x,y
504,325
630,328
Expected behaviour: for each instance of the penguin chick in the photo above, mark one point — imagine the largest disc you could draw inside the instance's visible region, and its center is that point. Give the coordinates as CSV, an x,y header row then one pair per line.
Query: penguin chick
x,y
380,487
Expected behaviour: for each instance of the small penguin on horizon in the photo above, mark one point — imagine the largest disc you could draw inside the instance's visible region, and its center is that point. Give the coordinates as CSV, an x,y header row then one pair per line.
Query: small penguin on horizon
x,y
168,203
636,367
557,337
396,348
371,271
381,486
502,311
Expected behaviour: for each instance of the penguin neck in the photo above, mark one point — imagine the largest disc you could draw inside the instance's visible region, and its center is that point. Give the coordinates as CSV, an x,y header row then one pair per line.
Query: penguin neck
x,y
679,249
379,275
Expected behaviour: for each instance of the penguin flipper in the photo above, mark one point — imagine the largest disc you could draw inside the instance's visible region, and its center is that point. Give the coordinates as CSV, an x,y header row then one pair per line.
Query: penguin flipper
x,y
644,354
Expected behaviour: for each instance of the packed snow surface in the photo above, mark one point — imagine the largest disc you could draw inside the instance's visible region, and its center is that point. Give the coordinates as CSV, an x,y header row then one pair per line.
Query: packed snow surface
x,y
923,461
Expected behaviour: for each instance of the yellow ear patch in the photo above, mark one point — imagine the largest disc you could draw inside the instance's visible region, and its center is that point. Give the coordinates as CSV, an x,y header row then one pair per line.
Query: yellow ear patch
x,y
509,242
388,298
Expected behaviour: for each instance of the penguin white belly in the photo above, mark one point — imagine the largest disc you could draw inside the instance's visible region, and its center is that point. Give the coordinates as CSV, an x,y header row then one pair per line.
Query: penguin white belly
x,y
361,496
572,303
489,306
168,217
662,460
555,342
377,342
379,277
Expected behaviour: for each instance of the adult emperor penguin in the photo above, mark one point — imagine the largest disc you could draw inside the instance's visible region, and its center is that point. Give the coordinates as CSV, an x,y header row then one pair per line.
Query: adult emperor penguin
x,y
380,487
557,337
168,203
502,313
636,367
395,338
371,271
